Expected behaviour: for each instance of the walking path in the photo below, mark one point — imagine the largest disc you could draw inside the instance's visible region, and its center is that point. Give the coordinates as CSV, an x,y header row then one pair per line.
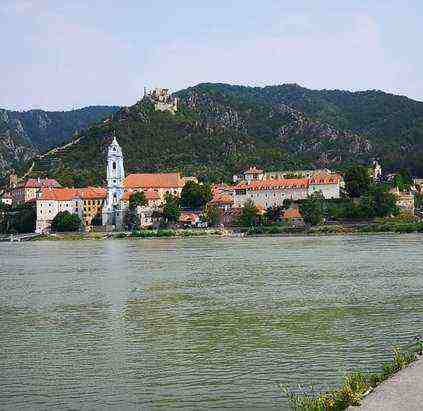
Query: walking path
x,y
402,392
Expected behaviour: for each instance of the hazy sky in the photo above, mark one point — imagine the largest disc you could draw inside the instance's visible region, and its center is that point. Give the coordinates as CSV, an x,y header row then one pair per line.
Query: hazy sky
x,y
60,54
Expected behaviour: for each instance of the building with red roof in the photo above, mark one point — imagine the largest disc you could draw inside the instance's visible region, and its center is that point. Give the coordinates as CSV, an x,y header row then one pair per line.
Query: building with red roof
x,y
161,183
270,193
27,190
87,202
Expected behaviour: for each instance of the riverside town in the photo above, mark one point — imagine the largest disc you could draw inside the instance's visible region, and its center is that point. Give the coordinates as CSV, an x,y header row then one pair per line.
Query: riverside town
x,y
255,200
211,206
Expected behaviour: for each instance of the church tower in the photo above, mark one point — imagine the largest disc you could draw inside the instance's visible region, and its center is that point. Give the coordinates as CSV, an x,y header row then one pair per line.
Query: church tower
x,y
112,211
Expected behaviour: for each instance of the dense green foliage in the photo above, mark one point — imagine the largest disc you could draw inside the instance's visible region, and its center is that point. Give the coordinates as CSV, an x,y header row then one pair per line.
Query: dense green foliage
x,y
195,196
212,215
311,209
403,180
18,219
25,134
66,222
249,215
376,201
220,129
137,199
357,180
132,219
171,209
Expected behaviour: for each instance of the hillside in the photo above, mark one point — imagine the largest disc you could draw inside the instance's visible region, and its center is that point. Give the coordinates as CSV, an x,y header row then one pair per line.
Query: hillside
x,y
25,134
220,129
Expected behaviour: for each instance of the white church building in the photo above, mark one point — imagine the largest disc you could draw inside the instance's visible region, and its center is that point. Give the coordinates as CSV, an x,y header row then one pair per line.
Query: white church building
x,y
113,211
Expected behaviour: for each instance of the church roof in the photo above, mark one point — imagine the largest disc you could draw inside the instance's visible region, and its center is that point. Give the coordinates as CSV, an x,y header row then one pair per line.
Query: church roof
x,y
157,180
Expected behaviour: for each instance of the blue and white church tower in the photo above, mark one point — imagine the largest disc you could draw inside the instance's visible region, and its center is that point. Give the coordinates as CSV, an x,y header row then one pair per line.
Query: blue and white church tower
x,y
112,209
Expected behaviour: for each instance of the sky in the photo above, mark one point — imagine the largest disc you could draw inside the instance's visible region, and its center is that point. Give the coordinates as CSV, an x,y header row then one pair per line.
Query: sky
x,y
64,54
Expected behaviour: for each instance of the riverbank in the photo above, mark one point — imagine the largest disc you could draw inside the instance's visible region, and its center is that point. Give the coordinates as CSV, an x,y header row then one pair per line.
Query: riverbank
x,y
161,233
404,391
382,226
358,385
375,227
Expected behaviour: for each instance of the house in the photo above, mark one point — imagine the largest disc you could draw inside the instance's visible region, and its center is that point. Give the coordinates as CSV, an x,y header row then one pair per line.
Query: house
x,y
293,216
146,212
86,202
27,190
222,197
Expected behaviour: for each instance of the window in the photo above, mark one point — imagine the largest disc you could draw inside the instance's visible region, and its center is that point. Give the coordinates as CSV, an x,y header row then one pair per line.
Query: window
x,y
114,165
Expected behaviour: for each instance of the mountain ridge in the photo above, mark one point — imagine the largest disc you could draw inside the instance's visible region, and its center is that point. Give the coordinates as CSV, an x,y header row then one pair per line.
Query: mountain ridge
x,y
221,128
24,134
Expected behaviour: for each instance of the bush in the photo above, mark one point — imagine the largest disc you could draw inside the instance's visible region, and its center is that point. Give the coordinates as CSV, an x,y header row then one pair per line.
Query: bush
x,y
65,221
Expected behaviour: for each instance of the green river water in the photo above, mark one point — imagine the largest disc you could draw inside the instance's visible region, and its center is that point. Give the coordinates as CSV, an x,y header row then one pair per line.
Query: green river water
x,y
199,323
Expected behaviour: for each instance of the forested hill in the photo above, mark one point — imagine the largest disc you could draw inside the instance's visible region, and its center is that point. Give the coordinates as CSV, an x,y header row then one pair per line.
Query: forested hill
x,y
219,129
25,134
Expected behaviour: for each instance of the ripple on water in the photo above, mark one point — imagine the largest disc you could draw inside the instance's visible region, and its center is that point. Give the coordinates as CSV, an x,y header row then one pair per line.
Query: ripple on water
x,y
199,323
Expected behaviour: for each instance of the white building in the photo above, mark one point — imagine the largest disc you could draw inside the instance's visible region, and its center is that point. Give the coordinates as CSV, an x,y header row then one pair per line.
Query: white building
x,y
270,193
112,210
86,202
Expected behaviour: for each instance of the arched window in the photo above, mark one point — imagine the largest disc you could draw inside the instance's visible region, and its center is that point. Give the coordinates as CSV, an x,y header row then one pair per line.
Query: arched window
x,y
114,165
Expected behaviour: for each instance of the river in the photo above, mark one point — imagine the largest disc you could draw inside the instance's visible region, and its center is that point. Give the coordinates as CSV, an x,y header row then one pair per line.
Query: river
x,y
199,323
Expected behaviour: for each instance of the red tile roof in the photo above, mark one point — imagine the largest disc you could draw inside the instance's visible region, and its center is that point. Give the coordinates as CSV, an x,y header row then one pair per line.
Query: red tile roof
x,y
274,184
158,180
220,194
150,195
68,194
289,183
39,183
292,213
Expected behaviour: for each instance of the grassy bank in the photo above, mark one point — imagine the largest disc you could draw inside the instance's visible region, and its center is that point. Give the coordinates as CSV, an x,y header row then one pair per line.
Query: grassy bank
x,y
161,233
389,225
354,387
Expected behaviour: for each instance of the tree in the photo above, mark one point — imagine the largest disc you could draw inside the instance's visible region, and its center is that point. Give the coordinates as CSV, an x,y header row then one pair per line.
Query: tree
x,y
97,220
378,202
249,215
137,199
131,218
274,213
213,215
19,219
195,195
403,180
357,181
65,221
171,209
312,209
